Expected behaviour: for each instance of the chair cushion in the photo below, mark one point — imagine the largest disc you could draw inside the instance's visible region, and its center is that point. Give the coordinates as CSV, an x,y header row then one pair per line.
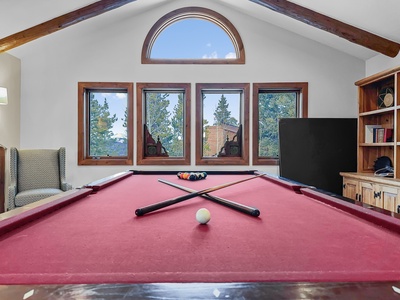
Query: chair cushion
x,y
38,169
30,196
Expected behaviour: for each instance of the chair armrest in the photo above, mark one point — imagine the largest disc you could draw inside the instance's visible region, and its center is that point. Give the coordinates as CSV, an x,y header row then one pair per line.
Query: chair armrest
x,y
12,192
66,186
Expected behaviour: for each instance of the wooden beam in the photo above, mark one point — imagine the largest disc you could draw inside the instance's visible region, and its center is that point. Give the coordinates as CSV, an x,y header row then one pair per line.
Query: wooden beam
x,y
59,23
343,30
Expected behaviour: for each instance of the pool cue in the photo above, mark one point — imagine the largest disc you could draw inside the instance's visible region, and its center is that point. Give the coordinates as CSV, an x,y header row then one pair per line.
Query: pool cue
x,y
252,211
162,204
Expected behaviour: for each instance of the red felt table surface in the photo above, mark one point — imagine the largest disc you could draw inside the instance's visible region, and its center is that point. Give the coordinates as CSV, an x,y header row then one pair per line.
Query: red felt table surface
x,y
98,239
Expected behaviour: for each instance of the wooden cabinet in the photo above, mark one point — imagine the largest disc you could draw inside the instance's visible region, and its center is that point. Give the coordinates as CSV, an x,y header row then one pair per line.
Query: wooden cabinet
x,y
359,190
367,195
379,192
350,188
378,135
379,107
389,197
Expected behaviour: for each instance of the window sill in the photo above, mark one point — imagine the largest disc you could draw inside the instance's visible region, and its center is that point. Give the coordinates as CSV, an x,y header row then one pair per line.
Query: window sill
x,y
105,162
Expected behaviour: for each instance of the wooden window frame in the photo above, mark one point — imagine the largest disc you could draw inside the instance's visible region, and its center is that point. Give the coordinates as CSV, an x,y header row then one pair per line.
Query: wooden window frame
x,y
244,158
141,158
299,87
199,13
83,122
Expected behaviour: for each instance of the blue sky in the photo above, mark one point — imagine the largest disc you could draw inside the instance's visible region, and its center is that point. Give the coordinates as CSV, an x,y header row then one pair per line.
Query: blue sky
x,y
211,102
188,38
193,38
117,103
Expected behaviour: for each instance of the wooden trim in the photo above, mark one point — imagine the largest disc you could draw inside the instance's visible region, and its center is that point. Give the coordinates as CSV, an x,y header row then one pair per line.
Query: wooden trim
x,y
370,177
20,216
141,158
380,75
107,181
244,159
61,22
193,12
351,33
300,87
83,123
343,30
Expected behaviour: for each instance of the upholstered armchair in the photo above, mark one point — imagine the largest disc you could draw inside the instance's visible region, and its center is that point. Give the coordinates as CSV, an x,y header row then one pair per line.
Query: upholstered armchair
x,y
36,174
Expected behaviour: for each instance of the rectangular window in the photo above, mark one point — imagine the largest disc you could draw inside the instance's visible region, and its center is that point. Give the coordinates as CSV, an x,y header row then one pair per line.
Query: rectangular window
x,y
105,123
272,102
163,123
222,124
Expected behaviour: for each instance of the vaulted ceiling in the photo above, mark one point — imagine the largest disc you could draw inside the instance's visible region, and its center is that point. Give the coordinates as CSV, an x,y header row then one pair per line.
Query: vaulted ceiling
x,y
373,16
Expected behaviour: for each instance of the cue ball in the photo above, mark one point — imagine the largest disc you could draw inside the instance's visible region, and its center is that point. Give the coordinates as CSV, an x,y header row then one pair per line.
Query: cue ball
x,y
203,216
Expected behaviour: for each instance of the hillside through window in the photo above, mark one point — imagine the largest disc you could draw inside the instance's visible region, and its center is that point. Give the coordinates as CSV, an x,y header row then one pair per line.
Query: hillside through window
x,y
105,123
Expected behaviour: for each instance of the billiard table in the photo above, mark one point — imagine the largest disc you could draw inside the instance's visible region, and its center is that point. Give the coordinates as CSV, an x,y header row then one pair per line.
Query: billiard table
x,y
303,242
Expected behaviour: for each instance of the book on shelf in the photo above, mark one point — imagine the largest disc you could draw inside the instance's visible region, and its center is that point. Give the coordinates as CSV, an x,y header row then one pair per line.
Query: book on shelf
x,y
388,135
378,134
370,133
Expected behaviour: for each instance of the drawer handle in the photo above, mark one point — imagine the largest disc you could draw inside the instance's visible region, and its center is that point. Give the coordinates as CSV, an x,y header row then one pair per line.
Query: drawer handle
x,y
376,195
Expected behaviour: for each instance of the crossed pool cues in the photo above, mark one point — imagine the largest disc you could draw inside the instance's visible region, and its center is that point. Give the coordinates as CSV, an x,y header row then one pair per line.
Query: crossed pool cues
x,y
193,193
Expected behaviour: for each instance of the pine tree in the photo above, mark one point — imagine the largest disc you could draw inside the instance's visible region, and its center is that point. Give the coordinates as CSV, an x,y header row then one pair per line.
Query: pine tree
x,y
222,114
177,121
101,123
272,107
158,117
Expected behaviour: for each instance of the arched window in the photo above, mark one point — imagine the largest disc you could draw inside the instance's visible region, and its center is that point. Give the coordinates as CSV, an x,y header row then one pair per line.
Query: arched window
x,y
193,35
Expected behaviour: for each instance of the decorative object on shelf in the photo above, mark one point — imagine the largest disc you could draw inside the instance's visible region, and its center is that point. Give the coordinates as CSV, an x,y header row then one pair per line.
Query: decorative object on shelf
x,y
153,148
3,96
232,148
386,97
383,167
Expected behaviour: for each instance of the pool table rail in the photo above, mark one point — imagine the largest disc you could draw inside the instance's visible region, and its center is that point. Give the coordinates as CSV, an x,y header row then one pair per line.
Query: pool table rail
x,y
22,215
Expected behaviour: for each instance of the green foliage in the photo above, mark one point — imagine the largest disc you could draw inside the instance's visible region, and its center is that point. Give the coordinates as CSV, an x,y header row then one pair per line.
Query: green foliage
x,y
206,130
102,140
157,115
169,126
164,124
222,114
272,107
176,147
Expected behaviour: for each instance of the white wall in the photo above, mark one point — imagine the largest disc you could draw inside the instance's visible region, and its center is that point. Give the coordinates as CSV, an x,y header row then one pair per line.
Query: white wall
x,y
381,63
105,49
10,78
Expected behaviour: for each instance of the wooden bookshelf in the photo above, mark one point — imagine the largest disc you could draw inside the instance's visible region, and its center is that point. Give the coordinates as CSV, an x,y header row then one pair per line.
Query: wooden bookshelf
x,y
379,105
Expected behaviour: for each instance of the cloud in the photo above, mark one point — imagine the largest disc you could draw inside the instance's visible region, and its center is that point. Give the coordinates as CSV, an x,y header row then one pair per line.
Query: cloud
x,y
111,95
121,95
212,55
230,55
208,45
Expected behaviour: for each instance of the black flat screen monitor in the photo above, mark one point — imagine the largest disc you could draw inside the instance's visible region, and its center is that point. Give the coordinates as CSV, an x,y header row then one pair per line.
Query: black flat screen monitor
x,y
314,150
